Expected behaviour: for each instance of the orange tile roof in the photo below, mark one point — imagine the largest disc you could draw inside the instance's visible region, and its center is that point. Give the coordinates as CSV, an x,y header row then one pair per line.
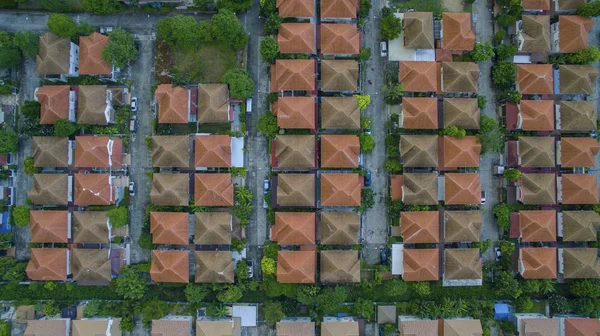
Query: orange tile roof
x,y
295,112
296,266
536,4
340,39
293,75
173,105
98,151
213,190
579,189
420,226
170,266
212,151
169,228
419,76
421,265
538,263
49,226
296,38
396,186
339,151
339,9
582,327
457,32
578,152
420,113
341,189
54,103
535,78
47,264
537,225
90,55
294,228
573,32
462,188
93,189
296,8
537,115
461,152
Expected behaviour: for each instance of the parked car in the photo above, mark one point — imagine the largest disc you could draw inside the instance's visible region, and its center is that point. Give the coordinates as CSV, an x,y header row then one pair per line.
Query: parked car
x,y
133,104
249,105
383,256
383,46
368,179
250,264
483,197
132,124
131,188
266,185
497,253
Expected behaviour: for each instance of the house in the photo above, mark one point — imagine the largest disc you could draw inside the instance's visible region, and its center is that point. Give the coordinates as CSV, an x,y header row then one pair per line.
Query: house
x,y
169,228
339,75
578,225
294,228
296,8
581,326
340,113
535,78
537,189
212,228
459,76
579,263
419,76
533,34
535,5
461,112
336,9
90,58
91,265
532,115
93,189
578,152
462,267
463,188
213,151
419,151
386,314
294,75
220,327
92,227
294,152
537,262
418,327
50,327
51,189
340,39
170,189
296,38
570,33
577,79
98,152
340,328
213,190
213,104
578,189
95,326
48,264
295,190
460,153
461,327
536,152
421,265
341,266
296,266
56,102
170,266
576,116
418,30
50,226
339,151
419,188
214,267
457,32
568,6
58,58
419,113
169,325
420,226
171,151
296,112
341,189
94,105
24,313
462,226
50,152
295,328
173,104
338,228
537,225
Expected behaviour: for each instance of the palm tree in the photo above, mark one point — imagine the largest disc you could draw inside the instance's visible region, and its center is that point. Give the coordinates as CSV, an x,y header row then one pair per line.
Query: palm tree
x,y
547,286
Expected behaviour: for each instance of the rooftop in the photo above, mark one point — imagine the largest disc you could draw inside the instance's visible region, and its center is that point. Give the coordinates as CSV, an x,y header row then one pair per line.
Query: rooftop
x,y
173,104
420,226
213,190
90,55
295,112
578,152
418,30
462,188
296,38
339,151
419,76
339,266
339,75
294,228
535,78
170,266
421,265
214,267
537,225
537,151
579,189
296,266
457,32
419,113
573,32
93,189
170,189
212,151
537,115
340,39
460,76
169,228
295,151
340,113
54,103
296,190
213,103
538,262
293,75
341,189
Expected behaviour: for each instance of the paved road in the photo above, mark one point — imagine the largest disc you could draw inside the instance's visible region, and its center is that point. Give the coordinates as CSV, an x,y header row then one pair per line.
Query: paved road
x,y
375,228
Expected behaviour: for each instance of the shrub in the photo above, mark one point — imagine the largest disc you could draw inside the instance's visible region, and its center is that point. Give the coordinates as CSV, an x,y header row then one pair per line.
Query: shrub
x,y
367,143
481,102
269,49
241,86
499,36
512,174
482,52
393,95
118,216
502,213
505,51
64,128
62,25
363,101
268,266
21,215
29,168
454,131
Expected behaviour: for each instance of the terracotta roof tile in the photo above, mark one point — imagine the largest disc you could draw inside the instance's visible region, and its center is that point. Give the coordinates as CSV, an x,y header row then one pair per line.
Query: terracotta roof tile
x,y
291,75
537,225
293,328
580,225
49,189
170,189
295,112
457,32
91,265
295,151
345,328
214,267
213,151
462,226
339,9
578,152
419,113
54,103
420,226
421,265
538,262
536,115
47,327
294,228
419,150
418,327
339,228
340,113
213,103
98,151
419,76
93,189
296,266
537,152
93,105
535,78
577,115
169,228
296,38
339,75
582,327
460,76
339,151
215,328
536,33
463,188
49,151
171,151
296,190
536,4
296,8
170,266
340,39
540,326
213,190
50,226
461,112
87,327
461,152
462,264
581,263
173,104
53,58
462,327
573,32
90,55
171,327
341,189
537,188
579,189
418,30
47,264
339,266
212,228
577,79
90,227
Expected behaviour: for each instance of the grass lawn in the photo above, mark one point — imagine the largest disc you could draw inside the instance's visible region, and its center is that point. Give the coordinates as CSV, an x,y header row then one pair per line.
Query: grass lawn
x,y
206,64
538,307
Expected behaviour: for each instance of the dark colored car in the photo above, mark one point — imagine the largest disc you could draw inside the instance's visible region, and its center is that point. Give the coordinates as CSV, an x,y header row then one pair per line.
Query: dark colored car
x,y
368,179
383,256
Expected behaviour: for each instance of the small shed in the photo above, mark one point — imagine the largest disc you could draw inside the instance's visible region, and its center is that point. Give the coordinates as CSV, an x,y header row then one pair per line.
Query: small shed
x,y
247,314
386,314
501,311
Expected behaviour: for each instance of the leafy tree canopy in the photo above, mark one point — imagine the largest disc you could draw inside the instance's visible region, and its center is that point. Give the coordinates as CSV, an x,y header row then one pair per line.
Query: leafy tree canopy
x,y
28,42
9,141
390,26
64,128
130,285
121,49
269,49
29,168
367,143
505,51
118,216
180,32
227,28
512,174
21,215
101,7
62,25
231,293
56,6
241,86
234,5
591,54
272,24
504,74
196,293
482,52
273,312
393,95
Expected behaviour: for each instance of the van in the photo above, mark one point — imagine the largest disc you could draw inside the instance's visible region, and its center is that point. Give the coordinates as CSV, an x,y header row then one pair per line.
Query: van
x,y
383,46
249,105
132,124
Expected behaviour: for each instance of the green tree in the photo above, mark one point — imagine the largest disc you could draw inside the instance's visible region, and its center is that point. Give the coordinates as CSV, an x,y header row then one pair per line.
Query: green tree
x,y
51,309
589,9
505,21
364,8
9,54
523,304
196,293
9,141
585,288
363,101
506,247
367,196
504,74
454,131
120,49
241,86
130,285
56,6
389,329
422,288
28,42
228,29
29,168
21,215
502,213
395,287
365,54
118,216
153,310
506,285
331,299
490,136
64,128
499,36
273,312
62,25
267,124
271,249
268,266
586,307
511,95
482,51
12,270
269,49
364,308
390,26
243,195
512,174
591,54
367,143
241,271
559,304
238,244
216,310
505,51
180,32
231,293
234,5
272,24
92,308
393,95
101,7
481,102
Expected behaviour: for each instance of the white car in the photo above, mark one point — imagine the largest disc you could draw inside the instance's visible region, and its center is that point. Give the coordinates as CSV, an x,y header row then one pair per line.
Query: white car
x,y
134,104
383,47
497,253
131,188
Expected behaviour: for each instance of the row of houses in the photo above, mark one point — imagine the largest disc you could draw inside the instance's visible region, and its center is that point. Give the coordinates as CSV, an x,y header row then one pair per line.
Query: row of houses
x,y
568,34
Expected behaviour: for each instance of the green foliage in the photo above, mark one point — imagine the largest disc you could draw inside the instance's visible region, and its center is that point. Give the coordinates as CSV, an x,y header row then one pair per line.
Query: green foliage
x,y
511,95
273,312
101,7
28,42
267,7
482,51
153,310
363,101
56,6
502,213
51,309
365,54
145,241
585,288
512,174
241,86
506,21
389,329
268,266
62,25
393,95
485,245
421,288
499,36
390,26
267,124
559,304
238,244
215,310
367,143
589,9
490,136
21,215
180,32
364,308
364,9
505,51
523,304
121,49
586,307
367,196
231,293
243,205
206,5
271,249
591,54
195,293
9,55
454,131
148,141
506,247
272,24
234,5
504,74
92,308
241,271
130,285
330,299
227,28
395,287
392,166
64,128
269,49
481,102
29,168
506,285
365,122
118,216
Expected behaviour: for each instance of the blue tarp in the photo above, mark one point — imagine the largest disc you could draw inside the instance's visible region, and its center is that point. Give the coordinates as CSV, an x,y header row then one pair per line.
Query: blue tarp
x,y
5,226
501,310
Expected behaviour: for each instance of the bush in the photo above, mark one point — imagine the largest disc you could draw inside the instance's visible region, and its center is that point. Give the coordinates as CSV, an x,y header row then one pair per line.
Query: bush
x,y
490,136
101,7
395,288
118,216
512,174
227,28
21,215
196,293
130,285
238,244
29,168
502,213
28,42
422,288
504,74
589,9
524,304
363,101
267,124
269,49
64,128
505,51
364,308
481,102
241,86
499,36
272,24
506,247
390,26
9,142
148,141
120,49
273,312
393,95
454,131
367,143
482,52
393,166
505,21
62,25
231,293
145,241
586,56
268,266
